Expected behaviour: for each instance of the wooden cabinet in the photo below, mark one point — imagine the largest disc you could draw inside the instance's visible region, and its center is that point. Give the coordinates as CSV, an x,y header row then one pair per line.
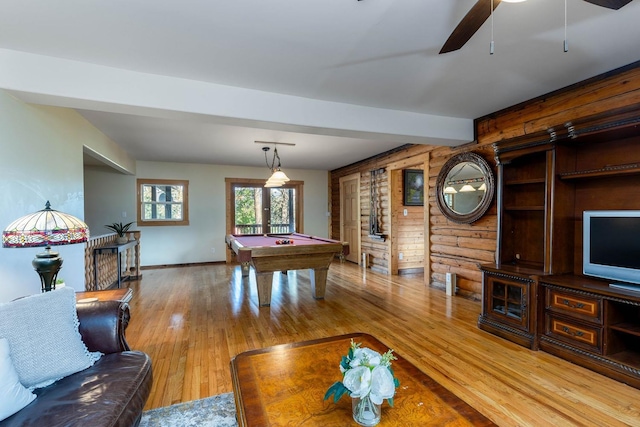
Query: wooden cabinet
x,y
535,294
593,325
531,203
575,319
508,301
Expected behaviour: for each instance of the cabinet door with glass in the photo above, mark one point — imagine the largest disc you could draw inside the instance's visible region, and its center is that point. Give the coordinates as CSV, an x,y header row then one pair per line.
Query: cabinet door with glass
x,y
509,305
507,300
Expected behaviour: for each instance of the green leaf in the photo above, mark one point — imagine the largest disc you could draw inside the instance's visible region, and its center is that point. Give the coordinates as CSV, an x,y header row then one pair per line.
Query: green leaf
x,y
390,400
331,390
344,363
337,390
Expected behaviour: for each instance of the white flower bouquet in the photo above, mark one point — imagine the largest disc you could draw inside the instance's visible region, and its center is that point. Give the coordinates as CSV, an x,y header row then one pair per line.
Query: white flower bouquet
x,y
365,373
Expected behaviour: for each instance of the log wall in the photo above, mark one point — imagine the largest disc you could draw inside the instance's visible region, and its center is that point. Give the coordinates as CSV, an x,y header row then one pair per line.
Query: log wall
x,y
460,248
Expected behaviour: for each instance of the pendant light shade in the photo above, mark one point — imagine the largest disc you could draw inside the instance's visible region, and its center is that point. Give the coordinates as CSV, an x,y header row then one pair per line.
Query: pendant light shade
x,y
449,190
277,178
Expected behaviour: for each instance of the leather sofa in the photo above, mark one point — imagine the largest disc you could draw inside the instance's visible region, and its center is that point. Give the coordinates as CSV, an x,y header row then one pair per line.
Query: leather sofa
x,y
112,392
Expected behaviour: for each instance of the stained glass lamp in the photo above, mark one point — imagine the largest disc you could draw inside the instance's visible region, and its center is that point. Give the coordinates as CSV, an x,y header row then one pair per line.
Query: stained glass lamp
x,y
45,228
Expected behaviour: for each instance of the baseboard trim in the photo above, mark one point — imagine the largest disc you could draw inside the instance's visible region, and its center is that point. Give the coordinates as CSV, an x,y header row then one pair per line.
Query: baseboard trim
x,y
190,264
410,271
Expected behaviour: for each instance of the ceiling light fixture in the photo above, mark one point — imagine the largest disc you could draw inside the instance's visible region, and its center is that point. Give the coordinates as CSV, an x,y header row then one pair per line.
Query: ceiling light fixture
x,y
467,188
449,190
277,178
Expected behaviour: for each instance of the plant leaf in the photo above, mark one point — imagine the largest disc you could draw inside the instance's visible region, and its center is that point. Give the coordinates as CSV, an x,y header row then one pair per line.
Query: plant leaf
x,y
337,390
390,400
344,362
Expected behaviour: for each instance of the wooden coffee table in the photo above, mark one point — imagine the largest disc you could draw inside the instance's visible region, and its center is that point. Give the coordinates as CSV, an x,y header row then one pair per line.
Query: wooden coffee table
x,y
286,384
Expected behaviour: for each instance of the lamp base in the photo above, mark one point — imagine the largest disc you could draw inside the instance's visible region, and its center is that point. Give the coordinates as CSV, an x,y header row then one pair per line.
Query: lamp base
x,y
47,264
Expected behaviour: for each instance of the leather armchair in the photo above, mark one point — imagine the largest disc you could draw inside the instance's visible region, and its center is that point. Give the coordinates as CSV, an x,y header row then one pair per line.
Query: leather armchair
x,y
111,393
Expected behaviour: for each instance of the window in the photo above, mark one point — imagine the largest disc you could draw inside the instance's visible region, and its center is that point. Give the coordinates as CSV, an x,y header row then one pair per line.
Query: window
x,y
163,202
253,209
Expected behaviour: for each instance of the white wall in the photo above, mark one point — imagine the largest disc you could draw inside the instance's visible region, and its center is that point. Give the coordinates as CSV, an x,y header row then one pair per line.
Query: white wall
x,y
41,149
203,239
108,196
41,152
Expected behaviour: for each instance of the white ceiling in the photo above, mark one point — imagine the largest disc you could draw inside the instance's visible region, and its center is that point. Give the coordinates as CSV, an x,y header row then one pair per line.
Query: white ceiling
x,y
371,53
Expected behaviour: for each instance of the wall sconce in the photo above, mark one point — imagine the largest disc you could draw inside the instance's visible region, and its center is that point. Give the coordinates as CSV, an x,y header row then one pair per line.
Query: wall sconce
x,y
45,228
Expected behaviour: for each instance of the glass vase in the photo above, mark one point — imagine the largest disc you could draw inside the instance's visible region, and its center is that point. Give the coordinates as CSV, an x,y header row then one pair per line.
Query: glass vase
x,y
365,412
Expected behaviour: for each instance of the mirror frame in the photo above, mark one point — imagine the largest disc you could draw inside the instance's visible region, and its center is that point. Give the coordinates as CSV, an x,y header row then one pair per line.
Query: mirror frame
x,y
484,204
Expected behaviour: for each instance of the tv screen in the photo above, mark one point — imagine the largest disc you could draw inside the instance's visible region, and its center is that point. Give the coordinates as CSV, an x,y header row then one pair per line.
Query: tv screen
x,y
612,245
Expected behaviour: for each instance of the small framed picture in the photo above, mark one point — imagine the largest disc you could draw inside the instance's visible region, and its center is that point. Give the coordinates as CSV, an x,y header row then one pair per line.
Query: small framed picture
x,y
413,194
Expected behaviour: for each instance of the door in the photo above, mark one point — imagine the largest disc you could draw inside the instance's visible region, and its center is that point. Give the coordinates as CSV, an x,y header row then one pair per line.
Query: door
x,y
350,215
258,210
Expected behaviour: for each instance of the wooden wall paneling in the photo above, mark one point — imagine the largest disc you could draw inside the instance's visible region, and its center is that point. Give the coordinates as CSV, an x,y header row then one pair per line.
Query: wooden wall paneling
x,y
408,232
600,94
426,220
395,189
458,248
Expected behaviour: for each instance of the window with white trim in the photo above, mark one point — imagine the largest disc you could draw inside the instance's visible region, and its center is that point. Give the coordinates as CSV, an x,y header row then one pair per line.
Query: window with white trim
x,y
163,202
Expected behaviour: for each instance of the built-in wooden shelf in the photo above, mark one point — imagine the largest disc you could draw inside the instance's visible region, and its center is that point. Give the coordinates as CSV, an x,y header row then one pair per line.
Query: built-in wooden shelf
x,y
628,358
617,170
525,181
524,208
627,328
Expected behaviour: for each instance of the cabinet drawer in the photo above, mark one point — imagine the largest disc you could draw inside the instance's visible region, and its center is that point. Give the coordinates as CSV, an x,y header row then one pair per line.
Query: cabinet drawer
x,y
574,332
579,306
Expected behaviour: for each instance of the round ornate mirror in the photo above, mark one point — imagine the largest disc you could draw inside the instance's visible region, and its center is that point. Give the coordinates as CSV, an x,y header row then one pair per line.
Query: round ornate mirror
x,y
465,188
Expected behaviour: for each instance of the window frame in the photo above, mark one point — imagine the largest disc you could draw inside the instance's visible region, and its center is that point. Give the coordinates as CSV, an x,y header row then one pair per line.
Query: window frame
x,y
232,183
140,182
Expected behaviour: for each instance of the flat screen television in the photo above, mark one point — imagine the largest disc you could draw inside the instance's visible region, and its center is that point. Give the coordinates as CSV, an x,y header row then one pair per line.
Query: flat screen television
x,y
611,247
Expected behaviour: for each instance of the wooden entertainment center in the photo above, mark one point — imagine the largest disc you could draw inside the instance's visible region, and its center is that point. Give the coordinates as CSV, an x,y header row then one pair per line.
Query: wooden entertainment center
x,y
535,294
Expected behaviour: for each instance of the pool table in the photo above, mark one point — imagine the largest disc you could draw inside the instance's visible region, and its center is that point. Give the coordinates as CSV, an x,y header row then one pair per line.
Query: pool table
x,y
266,256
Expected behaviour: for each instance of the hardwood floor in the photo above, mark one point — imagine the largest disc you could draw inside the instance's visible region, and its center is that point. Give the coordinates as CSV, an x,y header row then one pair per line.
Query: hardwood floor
x,y
193,320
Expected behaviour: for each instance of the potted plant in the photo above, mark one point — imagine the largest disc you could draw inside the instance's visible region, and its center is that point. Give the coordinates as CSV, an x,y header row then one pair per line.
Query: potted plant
x,y
120,229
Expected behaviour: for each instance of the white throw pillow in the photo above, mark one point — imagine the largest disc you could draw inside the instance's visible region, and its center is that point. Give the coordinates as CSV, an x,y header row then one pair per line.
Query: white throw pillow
x,y
13,395
42,331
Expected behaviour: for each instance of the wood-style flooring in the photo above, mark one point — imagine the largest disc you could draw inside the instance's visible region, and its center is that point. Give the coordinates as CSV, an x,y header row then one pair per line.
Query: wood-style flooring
x,y
193,320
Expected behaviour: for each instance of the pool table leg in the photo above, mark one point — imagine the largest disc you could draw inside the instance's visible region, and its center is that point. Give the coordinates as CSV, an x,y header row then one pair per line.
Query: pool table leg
x,y
245,269
264,281
318,278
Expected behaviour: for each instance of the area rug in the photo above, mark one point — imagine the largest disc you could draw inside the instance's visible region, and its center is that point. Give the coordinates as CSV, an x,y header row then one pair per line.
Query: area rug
x,y
215,411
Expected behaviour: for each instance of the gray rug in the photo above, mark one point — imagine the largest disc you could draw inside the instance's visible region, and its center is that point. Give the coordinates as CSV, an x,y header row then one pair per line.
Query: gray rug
x,y
215,411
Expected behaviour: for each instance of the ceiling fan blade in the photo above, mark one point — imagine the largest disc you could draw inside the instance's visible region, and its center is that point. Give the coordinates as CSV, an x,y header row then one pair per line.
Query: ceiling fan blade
x,y
610,4
471,22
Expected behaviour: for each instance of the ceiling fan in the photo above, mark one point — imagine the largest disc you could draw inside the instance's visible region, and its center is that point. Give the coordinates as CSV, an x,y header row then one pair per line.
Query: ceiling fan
x,y
481,11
